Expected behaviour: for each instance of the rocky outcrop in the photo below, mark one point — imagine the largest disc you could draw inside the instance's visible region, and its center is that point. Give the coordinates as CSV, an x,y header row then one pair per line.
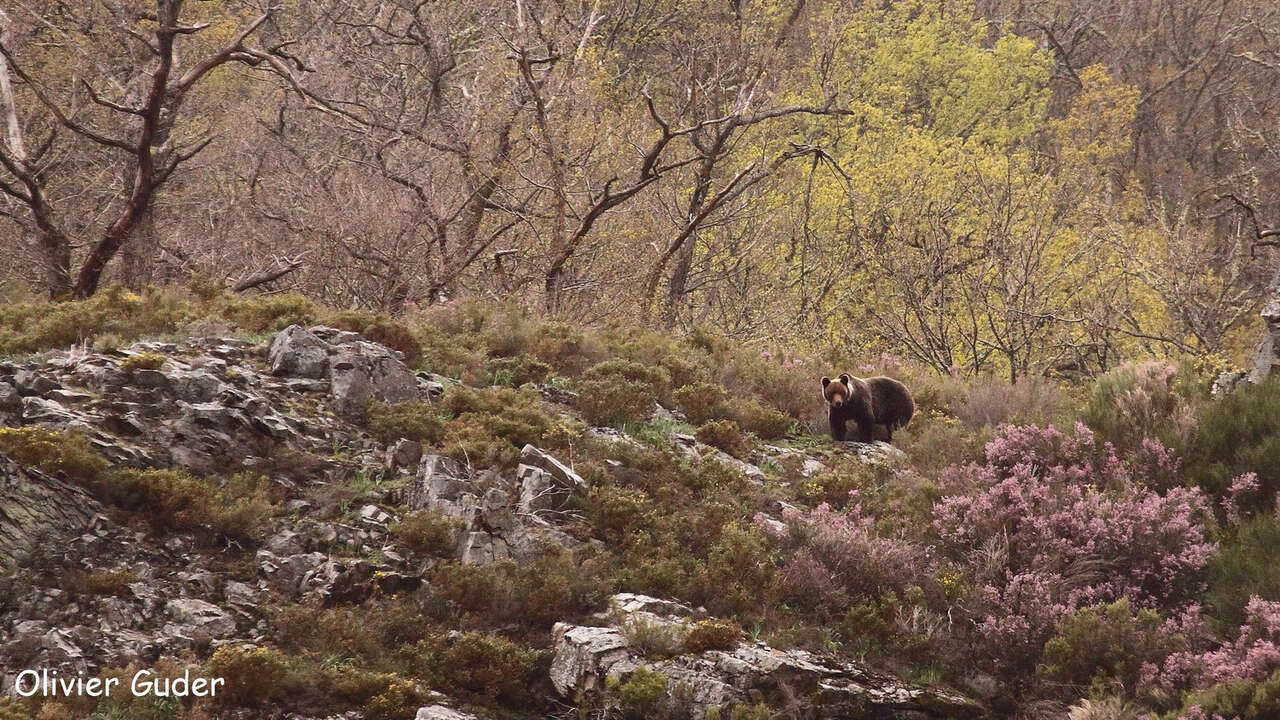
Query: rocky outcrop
x,y
36,508
358,371
587,657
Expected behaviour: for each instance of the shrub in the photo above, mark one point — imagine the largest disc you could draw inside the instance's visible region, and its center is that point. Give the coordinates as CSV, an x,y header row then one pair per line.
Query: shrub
x,y
409,420
1253,655
171,500
429,532
1136,402
33,327
380,329
643,695
516,371
479,667
1245,699
53,453
1238,434
142,361
993,401
399,701
837,559
269,313
1107,644
254,676
725,435
109,582
701,401
1064,525
613,403
491,425
552,586
757,419
1245,567
712,635
626,372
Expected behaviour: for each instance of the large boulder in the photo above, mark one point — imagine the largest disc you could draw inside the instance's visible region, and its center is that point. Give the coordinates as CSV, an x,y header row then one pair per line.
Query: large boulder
x,y
38,509
587,658
298,352
362,371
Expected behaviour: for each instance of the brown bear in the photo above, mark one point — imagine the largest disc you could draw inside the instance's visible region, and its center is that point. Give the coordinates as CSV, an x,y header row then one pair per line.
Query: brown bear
x,y
870,402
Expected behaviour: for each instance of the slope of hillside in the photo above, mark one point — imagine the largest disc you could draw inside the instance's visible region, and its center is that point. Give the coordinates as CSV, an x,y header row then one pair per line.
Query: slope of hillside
x,y
506,517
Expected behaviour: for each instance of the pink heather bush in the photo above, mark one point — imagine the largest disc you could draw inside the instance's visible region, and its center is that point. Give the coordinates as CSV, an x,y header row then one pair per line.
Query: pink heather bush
x,y
1074,526
1254,655
836,558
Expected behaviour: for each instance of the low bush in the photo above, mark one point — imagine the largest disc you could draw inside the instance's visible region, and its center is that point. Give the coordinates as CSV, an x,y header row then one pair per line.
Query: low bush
x,y
1137,402
480,668
429,532
142,361
1238,434
61,454
643,695
1107,646
725,435
173,501
1244,567
254,676
410,420
760,420
712,635
701,402
516,371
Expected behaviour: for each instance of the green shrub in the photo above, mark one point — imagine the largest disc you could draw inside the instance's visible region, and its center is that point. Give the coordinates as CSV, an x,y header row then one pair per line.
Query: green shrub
x,y
1244,567
171,500
656,639
614,402
481,668
516,371
701,402
760,420
725,435
1105,644
254,676
54,453
409,420
429,532
626,372
643,695
535,594
1138,401
1236,434
114,312
491,425
1242,699
712,635
269,313
399,701
142,361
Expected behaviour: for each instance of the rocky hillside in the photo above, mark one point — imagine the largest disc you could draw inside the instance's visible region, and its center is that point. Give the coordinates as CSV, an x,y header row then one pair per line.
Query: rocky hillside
x,y
338,535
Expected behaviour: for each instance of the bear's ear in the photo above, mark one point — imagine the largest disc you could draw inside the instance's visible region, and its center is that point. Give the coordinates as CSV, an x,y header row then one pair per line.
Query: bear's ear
x,y
826,381
844,378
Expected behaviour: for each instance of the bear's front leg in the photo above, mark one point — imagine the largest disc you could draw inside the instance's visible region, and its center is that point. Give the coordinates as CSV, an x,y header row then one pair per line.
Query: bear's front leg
x,y
837,427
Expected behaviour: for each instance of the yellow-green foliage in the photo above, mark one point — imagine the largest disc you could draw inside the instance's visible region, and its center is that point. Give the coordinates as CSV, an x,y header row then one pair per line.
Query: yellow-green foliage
x,y
491,425
429,532
482,668
726,435
534,594
12,709
53,452
171,500
758,419
701,401
32,327
142,361
516,371
399,701
712,635
408,420
254,676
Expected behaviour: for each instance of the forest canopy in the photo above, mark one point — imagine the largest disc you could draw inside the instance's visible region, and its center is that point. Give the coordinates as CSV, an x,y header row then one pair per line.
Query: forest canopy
x,y
1021,187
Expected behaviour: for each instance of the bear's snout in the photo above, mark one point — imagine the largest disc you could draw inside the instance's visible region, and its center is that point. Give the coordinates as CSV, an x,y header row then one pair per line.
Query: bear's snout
x,y
837,402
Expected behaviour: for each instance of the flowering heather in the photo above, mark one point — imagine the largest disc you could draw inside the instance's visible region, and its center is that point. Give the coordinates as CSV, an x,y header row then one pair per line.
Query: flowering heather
x,y
1253,655
1077,526
838,556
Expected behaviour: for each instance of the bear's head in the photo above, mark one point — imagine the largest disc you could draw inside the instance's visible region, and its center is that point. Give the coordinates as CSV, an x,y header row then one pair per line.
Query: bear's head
x,y
836,392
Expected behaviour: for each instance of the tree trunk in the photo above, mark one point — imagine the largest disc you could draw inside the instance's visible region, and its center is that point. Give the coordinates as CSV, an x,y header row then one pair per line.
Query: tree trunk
x,y
38,509
138,256
678,284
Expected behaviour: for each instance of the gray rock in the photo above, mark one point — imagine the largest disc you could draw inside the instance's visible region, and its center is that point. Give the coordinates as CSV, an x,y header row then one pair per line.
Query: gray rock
x,y
286,573
10,399
39,509
202,617
363,371
442,712
404,453
587,657
563,476
30,382
299,353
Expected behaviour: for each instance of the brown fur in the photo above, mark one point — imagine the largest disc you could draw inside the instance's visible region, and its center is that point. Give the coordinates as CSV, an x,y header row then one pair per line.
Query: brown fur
x,y
874,401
